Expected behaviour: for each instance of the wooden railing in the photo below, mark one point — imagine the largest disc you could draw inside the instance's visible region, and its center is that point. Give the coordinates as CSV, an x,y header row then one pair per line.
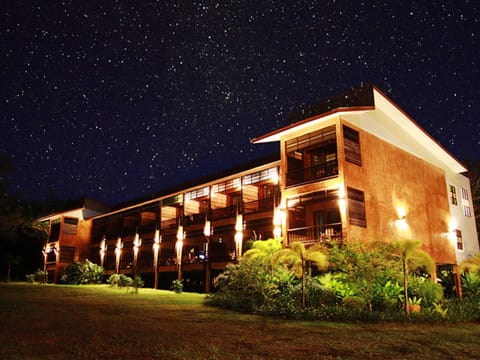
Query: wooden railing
x,y
316,234
316,172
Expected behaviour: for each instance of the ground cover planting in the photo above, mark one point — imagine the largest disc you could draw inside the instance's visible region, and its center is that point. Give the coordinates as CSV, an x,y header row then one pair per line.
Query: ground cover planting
x,y
100,322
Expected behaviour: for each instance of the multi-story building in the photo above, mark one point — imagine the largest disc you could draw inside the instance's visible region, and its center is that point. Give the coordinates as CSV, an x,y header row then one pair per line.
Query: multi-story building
x,y
353,168
69,234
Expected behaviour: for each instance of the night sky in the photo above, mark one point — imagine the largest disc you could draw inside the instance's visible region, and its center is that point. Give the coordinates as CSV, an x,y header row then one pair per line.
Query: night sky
x,y
116,99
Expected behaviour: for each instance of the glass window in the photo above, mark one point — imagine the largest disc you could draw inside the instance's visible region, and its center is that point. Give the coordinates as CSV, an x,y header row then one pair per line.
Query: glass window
x,y
453,195
459,239
466,204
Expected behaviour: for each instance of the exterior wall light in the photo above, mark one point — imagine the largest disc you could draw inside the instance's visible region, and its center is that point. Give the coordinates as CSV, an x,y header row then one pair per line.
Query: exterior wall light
x,y
178,249
118,253
157,240
238,236
137,243
103,250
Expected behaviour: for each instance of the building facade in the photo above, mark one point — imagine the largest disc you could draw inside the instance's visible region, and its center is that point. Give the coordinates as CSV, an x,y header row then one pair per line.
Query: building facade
x,y
353,168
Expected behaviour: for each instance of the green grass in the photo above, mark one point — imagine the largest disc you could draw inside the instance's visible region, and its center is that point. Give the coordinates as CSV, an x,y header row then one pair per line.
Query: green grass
x,y
98,322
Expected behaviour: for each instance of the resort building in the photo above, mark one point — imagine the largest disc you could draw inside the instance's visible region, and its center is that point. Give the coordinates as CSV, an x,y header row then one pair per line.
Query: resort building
x,y
352,168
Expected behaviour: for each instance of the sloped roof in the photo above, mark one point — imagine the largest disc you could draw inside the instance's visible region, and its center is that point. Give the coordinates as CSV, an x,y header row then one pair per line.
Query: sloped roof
x,y
371,110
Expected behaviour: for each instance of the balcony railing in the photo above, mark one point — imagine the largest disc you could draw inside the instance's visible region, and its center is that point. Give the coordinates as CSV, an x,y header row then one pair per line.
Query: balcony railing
x,y
317,172
258,206
316,234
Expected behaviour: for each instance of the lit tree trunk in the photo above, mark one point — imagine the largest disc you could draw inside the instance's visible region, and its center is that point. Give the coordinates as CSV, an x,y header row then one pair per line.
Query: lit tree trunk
x,y
405,285
303,283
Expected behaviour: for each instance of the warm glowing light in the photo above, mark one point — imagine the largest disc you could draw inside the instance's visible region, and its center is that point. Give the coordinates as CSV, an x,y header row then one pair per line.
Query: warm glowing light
x,y
180,234
118,253
238,244
156,248
275,178
402,224
239,223
103,250
238,236
156,241
453,224
278,220
401,212
207,228
237,183
179,244
137,243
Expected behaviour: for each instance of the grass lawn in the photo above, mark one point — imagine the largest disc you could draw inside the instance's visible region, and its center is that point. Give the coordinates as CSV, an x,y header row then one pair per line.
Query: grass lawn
x,y
98,322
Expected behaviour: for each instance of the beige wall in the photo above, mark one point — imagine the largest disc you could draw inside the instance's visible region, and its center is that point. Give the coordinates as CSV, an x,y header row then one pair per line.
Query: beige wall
x,y
392,179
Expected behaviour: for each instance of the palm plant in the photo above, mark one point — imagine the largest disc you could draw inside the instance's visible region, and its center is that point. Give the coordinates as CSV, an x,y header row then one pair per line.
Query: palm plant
x,y
412,258
298,258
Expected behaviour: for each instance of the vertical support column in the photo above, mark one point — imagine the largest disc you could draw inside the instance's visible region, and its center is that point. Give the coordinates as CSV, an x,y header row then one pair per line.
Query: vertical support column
x,y
157,240
137,244
179,248
118,254
458,282
103,250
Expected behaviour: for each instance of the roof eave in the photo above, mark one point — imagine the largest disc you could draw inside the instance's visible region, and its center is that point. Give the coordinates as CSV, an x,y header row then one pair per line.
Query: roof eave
x,y
276,135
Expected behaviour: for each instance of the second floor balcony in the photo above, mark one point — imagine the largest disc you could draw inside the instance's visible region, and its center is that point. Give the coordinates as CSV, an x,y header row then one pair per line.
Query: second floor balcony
x,y
316,234
313,173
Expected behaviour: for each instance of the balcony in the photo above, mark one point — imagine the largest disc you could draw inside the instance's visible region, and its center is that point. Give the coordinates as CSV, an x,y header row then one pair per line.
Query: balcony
x,y
316,234
308,174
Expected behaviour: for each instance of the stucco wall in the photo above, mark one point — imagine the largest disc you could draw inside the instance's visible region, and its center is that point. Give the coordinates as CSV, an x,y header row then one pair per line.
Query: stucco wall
x,y
396,183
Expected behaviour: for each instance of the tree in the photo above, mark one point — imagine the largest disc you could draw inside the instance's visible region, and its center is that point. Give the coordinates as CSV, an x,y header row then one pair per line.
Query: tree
x,y
262,251
298,258
412,258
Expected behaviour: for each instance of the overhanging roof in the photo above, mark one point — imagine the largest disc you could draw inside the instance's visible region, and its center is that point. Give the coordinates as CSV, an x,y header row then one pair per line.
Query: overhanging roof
x,y
376,114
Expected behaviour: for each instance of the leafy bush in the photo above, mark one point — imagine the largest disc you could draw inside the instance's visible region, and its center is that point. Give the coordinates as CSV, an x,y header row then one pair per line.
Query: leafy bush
x,y
40,277
363,284
113,280
137,283
177,286
82,272
120,280
425,289
471,284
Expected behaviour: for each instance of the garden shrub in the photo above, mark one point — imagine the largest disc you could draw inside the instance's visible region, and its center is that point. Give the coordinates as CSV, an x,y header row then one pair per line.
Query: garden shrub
x,y
40,276
471,284
120,280
177,286
425,289
82,272
363,284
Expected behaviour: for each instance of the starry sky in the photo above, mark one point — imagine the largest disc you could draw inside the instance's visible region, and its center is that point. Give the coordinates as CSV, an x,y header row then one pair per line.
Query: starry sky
x,y
119,99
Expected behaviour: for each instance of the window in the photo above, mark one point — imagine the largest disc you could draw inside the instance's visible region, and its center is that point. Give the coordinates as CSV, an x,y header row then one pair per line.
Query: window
x,y
54,230
70,225
312,156
453,195
352,146
67,254
458,234
466,204
260,176
194,194
356,207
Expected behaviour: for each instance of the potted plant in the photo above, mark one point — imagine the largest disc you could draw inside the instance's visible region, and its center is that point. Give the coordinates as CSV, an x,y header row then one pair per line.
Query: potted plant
x,y
414,304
